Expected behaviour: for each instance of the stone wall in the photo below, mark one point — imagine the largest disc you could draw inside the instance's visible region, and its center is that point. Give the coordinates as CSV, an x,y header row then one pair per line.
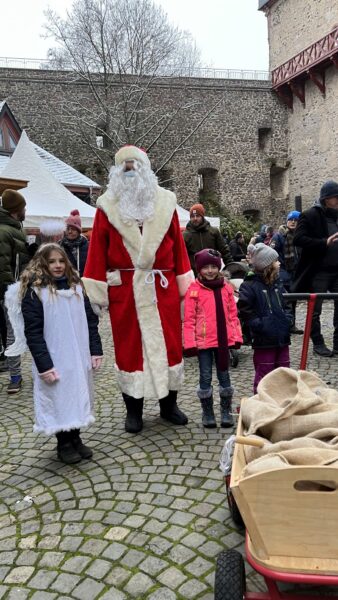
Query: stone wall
x,y
295,24
313,139
313,127
240,149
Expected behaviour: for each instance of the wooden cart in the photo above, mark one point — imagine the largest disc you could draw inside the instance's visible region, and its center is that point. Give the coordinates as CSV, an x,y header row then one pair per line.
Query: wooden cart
x,y
291,518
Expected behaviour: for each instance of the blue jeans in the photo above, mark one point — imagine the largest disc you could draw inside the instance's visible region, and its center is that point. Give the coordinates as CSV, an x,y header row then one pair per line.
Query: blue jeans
x,y
205,359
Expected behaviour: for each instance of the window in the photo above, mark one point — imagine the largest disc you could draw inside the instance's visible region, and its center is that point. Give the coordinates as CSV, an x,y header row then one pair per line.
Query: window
x,y
12,143
264,138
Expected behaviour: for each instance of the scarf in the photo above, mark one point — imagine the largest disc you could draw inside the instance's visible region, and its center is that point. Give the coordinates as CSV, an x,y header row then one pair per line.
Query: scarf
x,y
290,256
222,355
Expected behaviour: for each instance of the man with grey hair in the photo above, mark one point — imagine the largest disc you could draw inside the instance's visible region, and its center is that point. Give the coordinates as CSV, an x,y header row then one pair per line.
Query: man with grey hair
x,y
138,266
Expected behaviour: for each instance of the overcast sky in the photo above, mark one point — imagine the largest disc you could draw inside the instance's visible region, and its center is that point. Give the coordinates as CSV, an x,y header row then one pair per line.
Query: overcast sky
x,y
231,34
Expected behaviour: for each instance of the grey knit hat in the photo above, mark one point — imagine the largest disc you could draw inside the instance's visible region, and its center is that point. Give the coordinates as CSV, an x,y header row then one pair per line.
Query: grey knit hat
x,y
261,256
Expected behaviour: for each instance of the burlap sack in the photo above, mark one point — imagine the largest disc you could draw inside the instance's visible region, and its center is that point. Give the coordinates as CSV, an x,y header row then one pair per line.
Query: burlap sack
x,y
290,404
296,415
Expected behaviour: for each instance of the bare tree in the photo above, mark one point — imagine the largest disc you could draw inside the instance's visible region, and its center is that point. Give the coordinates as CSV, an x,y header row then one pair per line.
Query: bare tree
x,y
122,49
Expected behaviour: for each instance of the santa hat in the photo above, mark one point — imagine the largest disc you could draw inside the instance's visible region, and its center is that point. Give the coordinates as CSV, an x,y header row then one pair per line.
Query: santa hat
x,y
130,152
74,220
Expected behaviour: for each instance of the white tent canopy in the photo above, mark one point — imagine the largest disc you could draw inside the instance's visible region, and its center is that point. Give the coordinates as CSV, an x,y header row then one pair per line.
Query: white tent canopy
x,y
46,198
184,217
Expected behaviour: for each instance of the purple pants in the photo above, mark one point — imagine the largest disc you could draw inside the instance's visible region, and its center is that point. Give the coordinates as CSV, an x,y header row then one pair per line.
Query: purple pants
x,y
268,359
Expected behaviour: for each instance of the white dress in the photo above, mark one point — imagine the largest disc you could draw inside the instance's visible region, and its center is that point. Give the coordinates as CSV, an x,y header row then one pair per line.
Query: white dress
x,y
67,403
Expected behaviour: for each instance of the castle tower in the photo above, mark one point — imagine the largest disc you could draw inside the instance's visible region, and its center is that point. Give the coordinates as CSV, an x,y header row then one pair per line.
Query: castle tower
x,y
303,45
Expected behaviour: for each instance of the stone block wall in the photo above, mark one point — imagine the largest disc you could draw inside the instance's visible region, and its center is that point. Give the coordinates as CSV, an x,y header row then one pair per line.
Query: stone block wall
x,y
313,139
228,144
295,24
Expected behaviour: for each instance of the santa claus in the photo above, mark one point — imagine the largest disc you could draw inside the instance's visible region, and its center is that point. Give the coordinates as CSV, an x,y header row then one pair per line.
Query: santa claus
x,y
138,267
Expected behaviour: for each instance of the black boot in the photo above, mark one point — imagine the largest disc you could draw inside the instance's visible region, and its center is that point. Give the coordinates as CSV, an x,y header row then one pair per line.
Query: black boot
x,y
65,449
170,411
225,404
208,416
84,451
134,406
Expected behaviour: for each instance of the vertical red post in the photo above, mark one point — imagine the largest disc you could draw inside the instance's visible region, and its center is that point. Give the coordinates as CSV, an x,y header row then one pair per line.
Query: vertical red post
x,y
308,323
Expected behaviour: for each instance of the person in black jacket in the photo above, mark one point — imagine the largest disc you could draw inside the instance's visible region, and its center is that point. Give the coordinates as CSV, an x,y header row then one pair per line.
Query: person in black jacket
x,y
317,271
238,247
74,244
61,330
261,306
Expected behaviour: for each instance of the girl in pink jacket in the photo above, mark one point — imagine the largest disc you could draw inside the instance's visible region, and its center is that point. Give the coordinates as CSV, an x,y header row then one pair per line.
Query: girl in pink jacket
x,y
211,326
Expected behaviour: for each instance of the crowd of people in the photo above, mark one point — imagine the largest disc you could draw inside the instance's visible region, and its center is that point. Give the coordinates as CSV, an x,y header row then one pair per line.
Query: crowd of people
x,y
141,269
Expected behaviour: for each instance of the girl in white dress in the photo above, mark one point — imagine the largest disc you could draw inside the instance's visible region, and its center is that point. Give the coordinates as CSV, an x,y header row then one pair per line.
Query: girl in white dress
x,y
61,330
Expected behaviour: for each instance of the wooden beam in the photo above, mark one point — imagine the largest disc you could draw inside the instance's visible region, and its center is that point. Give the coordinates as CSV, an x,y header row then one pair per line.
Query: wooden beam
x,y
334,59
285,96
318,79
298,89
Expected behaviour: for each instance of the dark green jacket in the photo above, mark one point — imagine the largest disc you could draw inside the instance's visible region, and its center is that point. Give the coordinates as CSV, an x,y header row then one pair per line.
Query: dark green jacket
x,y
14,253
205,236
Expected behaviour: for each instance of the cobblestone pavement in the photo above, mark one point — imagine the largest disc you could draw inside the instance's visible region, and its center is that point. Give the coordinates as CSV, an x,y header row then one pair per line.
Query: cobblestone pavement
x,y
145,519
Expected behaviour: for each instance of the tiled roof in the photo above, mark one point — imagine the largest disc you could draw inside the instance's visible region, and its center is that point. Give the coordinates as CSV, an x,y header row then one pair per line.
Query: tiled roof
x,y
60,170
63,172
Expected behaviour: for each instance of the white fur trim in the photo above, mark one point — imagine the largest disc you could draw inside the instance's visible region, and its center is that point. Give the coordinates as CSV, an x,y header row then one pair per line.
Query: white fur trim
x,y
142,251
97,291
52,227
133,383
114,277
68,427
13,305
131,153
183,282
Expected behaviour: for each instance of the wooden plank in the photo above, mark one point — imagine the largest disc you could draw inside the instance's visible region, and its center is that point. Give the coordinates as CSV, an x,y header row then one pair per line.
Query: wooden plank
x,y
291,514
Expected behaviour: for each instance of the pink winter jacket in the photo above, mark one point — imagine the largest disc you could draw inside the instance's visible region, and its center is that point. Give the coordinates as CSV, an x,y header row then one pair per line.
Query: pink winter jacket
x,y
200,326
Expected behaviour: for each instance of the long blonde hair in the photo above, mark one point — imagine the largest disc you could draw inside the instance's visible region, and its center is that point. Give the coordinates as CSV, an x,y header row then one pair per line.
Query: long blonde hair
x,y
37,271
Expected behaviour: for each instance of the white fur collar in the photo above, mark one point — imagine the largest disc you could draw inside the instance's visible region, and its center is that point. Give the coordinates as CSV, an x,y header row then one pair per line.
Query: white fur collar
x,y
142,248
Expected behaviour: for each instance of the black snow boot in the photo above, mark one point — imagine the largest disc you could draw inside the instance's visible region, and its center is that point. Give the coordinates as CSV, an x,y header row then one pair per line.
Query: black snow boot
x,y
65,449
226,395
208,416
134,406
170,411
84,451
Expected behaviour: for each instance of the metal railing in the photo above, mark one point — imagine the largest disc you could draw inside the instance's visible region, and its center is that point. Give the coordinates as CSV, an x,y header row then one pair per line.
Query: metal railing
x,y
200,72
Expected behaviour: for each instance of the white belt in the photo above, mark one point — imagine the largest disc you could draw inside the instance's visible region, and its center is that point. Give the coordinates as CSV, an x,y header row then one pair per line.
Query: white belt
x,y
150,278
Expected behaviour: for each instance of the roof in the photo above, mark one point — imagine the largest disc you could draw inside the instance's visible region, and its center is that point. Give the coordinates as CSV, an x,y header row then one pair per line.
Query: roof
x,y
265,3
63,172
60,170
45,196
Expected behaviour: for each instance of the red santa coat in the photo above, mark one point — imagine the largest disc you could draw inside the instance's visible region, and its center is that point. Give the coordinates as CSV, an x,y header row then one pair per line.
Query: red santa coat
x,y
142,278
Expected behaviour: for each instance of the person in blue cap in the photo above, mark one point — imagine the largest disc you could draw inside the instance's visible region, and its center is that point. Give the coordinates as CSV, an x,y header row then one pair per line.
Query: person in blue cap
x,y
317,269
288,256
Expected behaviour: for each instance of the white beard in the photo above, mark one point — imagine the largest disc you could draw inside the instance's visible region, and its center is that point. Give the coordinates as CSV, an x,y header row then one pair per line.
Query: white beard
x,y
136,195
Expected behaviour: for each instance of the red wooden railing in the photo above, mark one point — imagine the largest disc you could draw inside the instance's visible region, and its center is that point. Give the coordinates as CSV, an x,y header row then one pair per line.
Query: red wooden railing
x,y
322,51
